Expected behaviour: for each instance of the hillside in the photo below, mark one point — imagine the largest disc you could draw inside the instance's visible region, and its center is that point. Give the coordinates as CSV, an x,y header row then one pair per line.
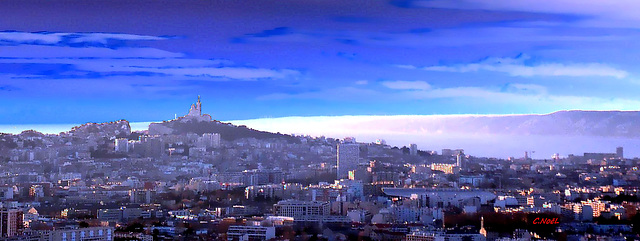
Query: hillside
x,y
227,131
114,128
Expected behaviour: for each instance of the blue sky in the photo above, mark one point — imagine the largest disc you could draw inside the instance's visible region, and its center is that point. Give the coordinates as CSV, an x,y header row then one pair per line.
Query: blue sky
x,y
95,61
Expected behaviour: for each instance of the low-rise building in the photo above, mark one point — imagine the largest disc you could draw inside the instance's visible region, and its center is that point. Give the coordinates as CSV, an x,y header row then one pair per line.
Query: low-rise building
x,y
245,233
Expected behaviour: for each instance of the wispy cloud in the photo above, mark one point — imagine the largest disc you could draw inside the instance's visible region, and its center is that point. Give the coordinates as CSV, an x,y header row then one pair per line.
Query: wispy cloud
x,y
7,88
525,88
273,32
524,96
30,38
25,53
47,58
52,38
339,93
520,67
594,12
104,37
407,85
522,33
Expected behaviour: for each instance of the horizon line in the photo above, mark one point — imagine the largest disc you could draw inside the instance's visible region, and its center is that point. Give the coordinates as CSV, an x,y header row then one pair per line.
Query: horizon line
x,y
139,124
363,115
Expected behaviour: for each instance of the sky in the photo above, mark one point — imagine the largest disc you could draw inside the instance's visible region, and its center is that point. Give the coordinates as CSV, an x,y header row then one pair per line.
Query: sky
x,y
96,61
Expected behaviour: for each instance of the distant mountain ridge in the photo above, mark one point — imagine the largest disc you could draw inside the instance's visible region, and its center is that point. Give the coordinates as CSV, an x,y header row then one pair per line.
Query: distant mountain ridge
x,y
567,123
564,123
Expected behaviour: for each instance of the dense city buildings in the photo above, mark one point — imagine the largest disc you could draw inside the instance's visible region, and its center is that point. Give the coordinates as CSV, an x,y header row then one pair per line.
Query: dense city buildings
x,y
193,178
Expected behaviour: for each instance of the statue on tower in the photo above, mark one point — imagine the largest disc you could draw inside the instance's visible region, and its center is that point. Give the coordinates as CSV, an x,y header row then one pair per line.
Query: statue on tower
x,y
199,104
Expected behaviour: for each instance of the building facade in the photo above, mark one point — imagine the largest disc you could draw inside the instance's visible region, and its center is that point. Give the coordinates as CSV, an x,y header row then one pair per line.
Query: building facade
x,y
91,233
302,210
347,158
245,233
11,222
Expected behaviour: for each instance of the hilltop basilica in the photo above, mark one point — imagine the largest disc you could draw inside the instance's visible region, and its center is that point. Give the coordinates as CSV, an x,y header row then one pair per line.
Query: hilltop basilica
x,y
195,113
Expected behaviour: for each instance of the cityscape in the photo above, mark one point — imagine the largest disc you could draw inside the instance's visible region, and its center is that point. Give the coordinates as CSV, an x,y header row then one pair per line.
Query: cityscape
x,y
195,178
310,120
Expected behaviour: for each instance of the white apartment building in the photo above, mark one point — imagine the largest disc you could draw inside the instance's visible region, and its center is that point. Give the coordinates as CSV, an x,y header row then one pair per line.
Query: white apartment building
x,y
245,233
302,210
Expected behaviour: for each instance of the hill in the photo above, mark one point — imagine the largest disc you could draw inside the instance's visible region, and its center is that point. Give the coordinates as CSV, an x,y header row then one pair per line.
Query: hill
x,y
227,131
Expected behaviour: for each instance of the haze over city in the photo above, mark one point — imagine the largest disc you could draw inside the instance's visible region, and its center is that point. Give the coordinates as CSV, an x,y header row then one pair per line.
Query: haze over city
x,y
307,120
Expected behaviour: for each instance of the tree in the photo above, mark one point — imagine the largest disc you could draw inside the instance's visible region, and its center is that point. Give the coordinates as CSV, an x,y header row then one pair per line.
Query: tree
x,y
135,227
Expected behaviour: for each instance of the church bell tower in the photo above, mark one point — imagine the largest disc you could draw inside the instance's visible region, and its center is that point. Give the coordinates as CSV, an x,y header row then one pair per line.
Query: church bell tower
x,y
199,106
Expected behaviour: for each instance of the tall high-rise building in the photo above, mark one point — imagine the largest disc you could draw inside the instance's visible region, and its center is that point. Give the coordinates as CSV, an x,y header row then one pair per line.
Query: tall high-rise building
x,y
413,149
11,222
154,147
460,160
347,158
209,140
121,145
620,152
